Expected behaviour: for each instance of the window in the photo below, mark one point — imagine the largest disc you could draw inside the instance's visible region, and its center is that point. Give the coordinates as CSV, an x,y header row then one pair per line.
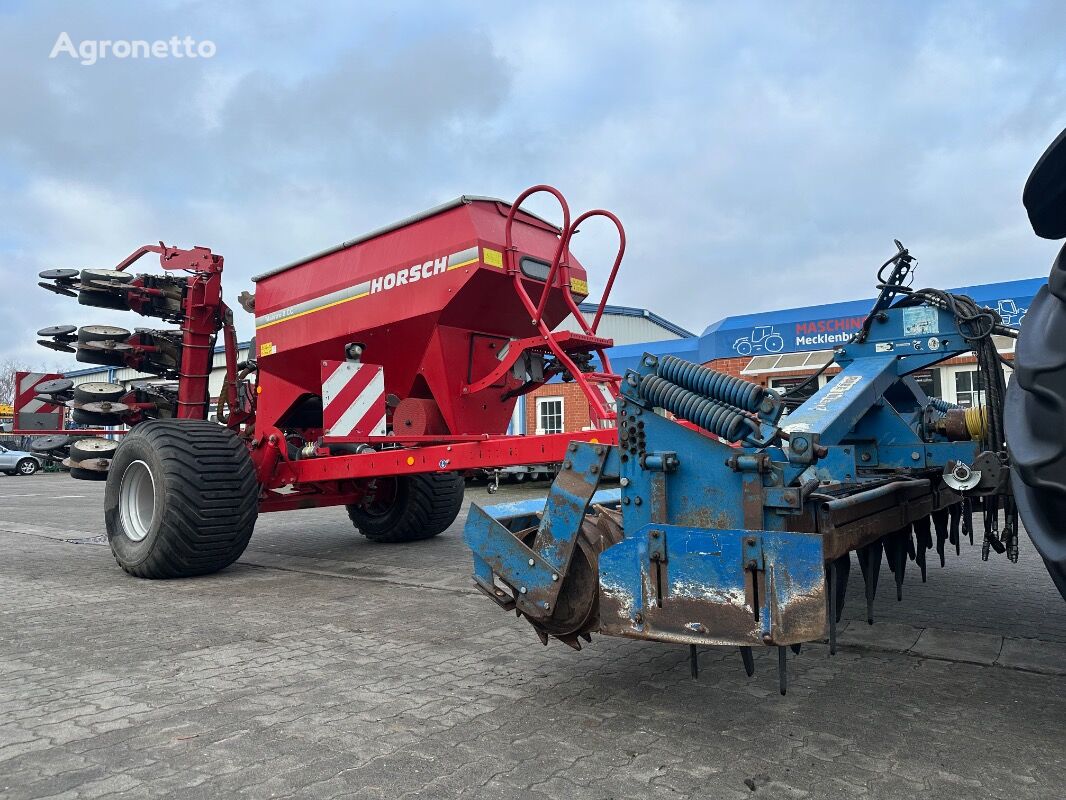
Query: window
x,y
549,415
788,362
969,390
535,268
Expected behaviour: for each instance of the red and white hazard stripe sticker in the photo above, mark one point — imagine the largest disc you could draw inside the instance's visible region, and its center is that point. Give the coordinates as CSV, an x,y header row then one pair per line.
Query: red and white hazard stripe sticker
x,y
353,399
25,399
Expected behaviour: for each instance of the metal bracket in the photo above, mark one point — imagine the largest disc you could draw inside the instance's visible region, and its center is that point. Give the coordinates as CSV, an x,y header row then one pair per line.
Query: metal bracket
x,y
657,545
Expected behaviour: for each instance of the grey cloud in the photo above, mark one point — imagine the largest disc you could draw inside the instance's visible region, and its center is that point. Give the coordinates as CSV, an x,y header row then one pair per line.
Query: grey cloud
x,y
759,157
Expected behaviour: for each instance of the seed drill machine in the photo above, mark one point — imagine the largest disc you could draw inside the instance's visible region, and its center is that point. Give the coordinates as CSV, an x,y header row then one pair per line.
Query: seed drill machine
x,y
699,509
381,370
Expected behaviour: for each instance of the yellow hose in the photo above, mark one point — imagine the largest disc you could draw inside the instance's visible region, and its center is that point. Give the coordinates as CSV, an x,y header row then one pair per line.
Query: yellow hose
x,y
976,422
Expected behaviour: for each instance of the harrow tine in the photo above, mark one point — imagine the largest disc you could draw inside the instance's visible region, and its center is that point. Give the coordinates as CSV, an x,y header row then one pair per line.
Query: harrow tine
x,y
837,573
782,669
896,553
796,648
902,543
955,517
870,564
967,519
923,535
843,567
940,524
749,661
542,636
694,661
570,640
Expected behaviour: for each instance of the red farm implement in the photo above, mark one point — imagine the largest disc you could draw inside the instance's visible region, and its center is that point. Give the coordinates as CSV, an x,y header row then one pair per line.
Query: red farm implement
x,y
381,370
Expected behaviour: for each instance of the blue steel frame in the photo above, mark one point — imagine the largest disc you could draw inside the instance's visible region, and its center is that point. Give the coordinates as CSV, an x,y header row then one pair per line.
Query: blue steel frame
x,y
717,545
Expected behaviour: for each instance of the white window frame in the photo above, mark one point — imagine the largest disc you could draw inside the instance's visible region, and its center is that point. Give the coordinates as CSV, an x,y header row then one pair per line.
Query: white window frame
x,y
947,379
538,420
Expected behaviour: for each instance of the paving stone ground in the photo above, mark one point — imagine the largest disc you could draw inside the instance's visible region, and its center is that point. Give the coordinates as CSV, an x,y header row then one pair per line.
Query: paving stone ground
x,y
323,666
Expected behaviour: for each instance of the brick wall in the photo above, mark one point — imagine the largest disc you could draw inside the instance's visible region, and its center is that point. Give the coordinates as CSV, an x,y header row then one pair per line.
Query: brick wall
x,y
575,406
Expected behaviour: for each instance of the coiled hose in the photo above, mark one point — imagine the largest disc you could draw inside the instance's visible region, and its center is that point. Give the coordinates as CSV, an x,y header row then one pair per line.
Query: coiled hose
x,y
711,383
941,405
711,415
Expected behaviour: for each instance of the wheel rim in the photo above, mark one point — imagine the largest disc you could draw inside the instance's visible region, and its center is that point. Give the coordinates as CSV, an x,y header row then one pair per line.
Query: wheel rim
x,y
28,468
136,501
382,499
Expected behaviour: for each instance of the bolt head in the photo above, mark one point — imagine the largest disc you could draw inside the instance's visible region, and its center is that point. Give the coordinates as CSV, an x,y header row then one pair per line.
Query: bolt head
x,y
522,590
531,562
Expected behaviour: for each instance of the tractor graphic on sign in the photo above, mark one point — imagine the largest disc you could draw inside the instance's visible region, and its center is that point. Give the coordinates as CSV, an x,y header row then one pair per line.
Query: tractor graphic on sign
x,y
762,338
1009,312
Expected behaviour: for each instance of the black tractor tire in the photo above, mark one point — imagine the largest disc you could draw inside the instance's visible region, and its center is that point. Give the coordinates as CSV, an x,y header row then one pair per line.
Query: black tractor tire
x,y
102,333
181,499
421,507
106,358
82,417
27,466
92,447
87,474
99,392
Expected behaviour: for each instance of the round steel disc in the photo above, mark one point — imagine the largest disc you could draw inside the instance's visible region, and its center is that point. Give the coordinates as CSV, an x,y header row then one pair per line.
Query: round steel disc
x,y
57,330
105,408
58,274
54,387
46,444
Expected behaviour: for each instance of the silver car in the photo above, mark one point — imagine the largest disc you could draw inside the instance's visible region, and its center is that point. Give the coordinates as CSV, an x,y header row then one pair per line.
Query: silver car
x,y
18,462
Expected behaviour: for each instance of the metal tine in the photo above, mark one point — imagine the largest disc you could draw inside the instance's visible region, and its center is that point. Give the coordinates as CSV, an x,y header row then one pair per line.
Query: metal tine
x,y
923,534
896,551
694,661
870,564
782,669
967,518
940,524
748,659
836,579
955,517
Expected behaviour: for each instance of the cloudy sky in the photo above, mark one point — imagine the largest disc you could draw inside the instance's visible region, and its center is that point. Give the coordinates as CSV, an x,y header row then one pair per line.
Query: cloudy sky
x,y
760,155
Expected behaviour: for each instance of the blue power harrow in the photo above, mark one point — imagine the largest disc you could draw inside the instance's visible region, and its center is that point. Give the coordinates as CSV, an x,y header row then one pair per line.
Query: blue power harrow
x,y
725,520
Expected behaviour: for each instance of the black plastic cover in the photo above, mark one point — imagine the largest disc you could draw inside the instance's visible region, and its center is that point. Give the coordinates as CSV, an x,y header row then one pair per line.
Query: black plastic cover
x,y
1044,196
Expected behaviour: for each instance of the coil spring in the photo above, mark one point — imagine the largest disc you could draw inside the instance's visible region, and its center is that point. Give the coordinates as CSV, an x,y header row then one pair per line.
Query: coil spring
x,y
940,404
711,415
711,383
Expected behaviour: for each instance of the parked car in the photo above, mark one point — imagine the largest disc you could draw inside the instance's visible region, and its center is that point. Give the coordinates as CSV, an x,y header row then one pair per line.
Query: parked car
x,y
18,462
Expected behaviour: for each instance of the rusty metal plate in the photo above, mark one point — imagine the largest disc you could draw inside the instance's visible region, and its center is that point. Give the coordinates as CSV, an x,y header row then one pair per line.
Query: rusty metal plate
x,y
714,587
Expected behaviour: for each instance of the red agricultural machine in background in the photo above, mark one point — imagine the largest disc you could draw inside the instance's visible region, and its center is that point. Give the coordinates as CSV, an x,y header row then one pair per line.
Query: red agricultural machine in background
x,y
380,371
